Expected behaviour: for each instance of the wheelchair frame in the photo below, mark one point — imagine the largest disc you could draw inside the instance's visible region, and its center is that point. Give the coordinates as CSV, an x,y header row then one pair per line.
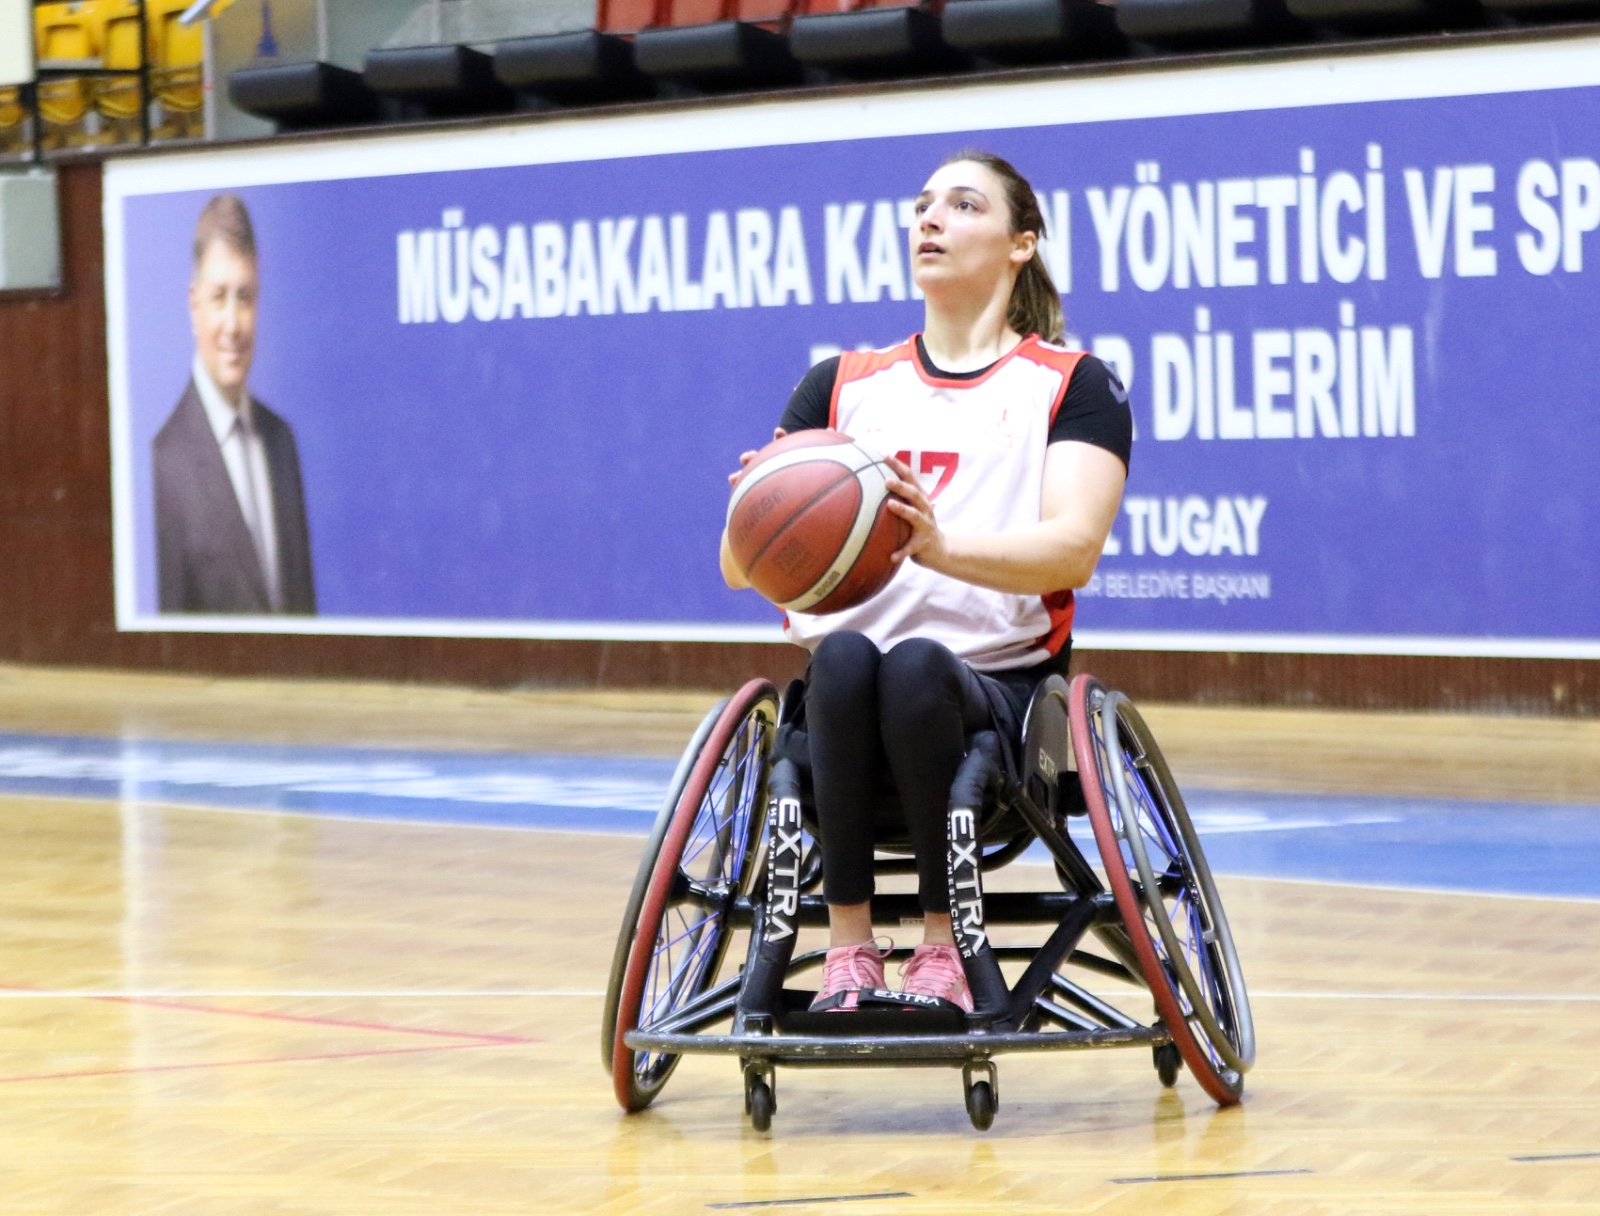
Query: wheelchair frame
x,y
729,851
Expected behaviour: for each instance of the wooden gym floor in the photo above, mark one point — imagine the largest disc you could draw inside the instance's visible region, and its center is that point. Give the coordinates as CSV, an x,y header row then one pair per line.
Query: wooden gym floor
x,y
214,1012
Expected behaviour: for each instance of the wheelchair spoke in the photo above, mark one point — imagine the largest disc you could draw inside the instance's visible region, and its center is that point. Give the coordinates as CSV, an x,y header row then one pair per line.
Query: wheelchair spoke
x,y
702,1010
684,970
713,828
665,947
730,802
665,979
671,969
675,987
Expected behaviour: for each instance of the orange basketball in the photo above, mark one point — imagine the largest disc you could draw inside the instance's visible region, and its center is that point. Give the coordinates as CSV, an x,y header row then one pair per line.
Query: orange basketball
x,y
809,523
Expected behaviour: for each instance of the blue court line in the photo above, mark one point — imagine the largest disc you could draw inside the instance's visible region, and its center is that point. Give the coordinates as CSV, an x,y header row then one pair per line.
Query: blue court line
x,y
1493,848
582,793
1490,848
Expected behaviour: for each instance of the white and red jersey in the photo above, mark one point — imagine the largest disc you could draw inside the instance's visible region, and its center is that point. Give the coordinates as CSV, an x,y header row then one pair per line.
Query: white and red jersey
x,y
978,447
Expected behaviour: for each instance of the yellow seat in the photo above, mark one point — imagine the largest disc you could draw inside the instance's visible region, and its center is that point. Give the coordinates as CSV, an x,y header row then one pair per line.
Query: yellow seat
x,y
119,39
177,57
63,102
117,97
13,132
173,45
67,32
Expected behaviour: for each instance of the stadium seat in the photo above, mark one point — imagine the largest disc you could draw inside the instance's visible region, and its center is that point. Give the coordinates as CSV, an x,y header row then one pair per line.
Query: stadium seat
x,y
177,71
1190,24
1033,31
119,37
585,67
116,99
297,96
436,81
1536,11
67,36
873,39
13,123
721,44
1387,16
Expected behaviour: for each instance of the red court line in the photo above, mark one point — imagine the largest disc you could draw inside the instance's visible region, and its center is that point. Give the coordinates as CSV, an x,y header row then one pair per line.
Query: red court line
x,y
335,1055
264,1015
292,1017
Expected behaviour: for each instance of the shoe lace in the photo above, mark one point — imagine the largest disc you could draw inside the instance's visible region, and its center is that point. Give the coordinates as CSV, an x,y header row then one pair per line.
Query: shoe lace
x,y
845,971
938,969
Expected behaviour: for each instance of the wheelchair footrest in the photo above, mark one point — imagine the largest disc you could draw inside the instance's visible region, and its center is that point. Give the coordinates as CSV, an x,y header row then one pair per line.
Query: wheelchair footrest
x,y
870,1011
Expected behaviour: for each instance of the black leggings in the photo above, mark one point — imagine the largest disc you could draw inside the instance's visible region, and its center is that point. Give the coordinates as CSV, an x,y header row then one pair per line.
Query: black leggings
x,y
910,709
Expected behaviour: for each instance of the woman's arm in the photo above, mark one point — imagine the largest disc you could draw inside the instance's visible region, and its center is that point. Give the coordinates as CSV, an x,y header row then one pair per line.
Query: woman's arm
x,y
1082,491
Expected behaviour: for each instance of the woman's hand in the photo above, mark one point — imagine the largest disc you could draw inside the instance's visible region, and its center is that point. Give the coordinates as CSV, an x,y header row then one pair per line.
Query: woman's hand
x,y
746,457
1082,490
926,546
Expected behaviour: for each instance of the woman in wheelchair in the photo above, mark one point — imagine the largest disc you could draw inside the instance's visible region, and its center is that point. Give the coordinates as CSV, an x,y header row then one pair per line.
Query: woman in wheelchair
x,y
1012,454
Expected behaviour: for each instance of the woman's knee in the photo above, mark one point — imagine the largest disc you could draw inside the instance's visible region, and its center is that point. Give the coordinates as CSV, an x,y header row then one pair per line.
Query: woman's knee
x,y
844,671
919,677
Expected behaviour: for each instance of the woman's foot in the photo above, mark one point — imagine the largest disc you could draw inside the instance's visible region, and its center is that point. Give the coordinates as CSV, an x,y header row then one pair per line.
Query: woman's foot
x,y
936,971
846,971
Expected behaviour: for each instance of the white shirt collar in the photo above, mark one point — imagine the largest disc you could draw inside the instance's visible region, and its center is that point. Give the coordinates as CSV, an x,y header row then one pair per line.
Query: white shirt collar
x,y
219,413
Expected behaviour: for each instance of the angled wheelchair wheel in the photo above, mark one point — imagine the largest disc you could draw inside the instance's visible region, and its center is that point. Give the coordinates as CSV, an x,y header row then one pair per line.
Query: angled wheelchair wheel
x,y
641,881
1164,889
678,932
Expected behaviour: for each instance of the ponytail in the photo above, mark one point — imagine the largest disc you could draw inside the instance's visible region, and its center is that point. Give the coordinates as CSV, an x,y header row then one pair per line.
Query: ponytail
x,y
1035,306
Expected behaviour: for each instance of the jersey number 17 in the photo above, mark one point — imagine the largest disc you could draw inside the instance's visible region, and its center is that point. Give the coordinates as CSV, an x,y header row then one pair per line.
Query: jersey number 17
x,y
939,467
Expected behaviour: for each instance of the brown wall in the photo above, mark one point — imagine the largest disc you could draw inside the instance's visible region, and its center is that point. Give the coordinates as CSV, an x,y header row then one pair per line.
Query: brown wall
x,y
56,596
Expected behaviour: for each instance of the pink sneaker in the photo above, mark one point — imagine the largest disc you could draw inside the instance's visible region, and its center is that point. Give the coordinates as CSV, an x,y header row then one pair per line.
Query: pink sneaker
x,y
846,971
936,971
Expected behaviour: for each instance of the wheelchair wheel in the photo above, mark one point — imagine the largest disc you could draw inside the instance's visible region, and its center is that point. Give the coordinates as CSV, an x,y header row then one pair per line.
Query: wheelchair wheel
x,y
641,881
1164,889
678,932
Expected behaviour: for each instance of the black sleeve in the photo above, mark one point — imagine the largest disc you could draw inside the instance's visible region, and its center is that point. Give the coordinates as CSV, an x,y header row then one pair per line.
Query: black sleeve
x,y
813,398
1095,410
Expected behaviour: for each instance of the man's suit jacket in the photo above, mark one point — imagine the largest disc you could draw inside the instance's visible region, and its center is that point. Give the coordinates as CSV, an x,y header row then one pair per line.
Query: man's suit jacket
x,y
204,551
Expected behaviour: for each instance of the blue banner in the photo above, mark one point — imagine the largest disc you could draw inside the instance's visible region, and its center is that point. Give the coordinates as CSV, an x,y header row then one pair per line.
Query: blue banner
x,y
514,365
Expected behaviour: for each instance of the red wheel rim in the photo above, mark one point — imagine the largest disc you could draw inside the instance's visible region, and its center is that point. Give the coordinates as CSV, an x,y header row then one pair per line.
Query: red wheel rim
x,y
1086,750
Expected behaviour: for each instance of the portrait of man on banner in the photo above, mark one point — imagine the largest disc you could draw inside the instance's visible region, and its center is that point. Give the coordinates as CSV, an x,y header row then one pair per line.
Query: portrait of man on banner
x,y
230,513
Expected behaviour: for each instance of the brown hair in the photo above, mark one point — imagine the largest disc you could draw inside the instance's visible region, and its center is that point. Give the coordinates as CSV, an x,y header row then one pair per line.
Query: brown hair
x,y
224,219
1035,306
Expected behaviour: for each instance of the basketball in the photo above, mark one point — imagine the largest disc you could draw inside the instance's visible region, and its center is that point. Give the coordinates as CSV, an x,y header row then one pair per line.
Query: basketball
x,y
809,522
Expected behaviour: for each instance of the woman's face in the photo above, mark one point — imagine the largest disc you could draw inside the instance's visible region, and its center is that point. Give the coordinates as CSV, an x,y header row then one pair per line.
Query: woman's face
x,y
962,238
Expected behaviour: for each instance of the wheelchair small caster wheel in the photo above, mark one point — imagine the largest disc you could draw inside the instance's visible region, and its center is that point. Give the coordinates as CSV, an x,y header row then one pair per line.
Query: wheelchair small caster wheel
x,y
980,1105
761,1104
1168,1062
982,1083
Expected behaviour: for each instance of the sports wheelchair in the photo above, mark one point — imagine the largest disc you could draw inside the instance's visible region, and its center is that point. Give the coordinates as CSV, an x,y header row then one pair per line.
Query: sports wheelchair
x,y
733,848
